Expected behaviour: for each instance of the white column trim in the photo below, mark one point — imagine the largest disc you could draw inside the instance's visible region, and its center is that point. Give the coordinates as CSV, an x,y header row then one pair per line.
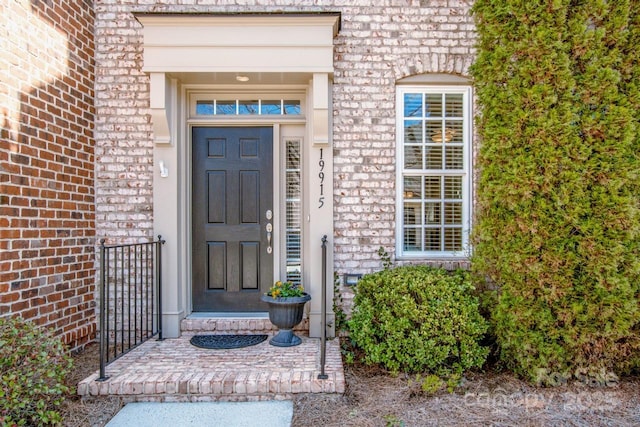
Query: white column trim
x,y
320,109
160,103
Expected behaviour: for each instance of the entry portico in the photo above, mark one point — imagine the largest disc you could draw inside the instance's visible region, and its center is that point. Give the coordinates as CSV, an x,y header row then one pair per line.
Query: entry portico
x,y
235,65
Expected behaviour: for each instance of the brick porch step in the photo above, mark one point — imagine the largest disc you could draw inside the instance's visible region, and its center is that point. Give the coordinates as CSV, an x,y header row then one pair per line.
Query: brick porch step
x,y
175,370
237,323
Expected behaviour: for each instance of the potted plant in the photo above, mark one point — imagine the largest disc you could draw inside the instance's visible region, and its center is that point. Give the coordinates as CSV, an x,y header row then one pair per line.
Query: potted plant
x,y
286,306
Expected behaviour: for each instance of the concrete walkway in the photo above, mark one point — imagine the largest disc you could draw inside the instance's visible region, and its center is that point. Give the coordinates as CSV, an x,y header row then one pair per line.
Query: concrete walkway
x,y
203,414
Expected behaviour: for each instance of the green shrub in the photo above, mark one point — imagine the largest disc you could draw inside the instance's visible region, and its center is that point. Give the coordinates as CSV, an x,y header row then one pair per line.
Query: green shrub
x,y
557,225
33,366
338,306
418,319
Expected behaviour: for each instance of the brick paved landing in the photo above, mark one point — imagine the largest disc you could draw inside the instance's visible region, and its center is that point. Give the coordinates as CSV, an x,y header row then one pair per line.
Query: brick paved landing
x,y
174,370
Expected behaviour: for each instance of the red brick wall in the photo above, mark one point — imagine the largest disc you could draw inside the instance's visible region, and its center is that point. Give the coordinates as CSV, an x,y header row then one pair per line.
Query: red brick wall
x,y
47,214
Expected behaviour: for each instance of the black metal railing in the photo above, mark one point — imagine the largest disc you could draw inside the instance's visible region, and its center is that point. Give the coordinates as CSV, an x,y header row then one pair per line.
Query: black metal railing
x,y
130,297
323,316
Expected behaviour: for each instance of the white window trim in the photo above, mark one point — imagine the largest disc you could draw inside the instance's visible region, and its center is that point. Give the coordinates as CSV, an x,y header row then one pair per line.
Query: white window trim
x,y
467,200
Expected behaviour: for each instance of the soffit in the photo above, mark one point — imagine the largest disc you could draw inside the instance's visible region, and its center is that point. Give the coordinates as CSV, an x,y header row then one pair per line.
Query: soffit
x,y
276,79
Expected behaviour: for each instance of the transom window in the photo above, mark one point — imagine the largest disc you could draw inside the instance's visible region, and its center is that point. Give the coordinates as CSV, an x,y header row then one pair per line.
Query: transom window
x,y
433,150
257,107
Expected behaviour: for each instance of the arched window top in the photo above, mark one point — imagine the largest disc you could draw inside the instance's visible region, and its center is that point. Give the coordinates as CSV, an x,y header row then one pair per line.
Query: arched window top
x,y
434,79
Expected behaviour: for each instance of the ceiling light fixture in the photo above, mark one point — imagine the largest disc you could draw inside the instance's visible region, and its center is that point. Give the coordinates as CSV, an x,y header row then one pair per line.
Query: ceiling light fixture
x,y
439,135
242,78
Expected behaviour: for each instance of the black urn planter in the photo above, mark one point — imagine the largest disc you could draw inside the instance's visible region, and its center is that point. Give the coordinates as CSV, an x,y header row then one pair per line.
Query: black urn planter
x,y
286,313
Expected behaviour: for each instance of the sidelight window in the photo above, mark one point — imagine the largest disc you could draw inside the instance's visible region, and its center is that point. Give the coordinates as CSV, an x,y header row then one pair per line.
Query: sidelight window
x,y
293,207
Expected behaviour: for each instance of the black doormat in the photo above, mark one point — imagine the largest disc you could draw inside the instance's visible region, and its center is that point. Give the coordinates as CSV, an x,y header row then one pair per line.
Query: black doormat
x,y
226,341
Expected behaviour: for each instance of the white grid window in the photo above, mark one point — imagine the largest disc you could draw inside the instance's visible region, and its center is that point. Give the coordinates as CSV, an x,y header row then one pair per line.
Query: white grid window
x,y
293,168
434,134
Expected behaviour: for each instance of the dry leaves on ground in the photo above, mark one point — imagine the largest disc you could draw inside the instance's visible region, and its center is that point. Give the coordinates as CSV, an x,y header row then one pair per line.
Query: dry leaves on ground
x,y
93,412
375,398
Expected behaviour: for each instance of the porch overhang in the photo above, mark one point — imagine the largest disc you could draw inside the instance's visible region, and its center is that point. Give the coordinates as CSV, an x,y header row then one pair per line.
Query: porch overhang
x,y
269,45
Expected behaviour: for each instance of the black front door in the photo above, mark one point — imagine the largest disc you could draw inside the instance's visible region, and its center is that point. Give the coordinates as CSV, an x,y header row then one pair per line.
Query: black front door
x,y
232,204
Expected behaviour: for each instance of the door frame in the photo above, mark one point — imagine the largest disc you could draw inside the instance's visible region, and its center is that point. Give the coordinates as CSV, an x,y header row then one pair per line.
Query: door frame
x,y
172,194
277,229
282,127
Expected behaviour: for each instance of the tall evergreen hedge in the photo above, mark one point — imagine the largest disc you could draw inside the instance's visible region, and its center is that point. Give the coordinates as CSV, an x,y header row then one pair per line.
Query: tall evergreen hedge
x,y
558,221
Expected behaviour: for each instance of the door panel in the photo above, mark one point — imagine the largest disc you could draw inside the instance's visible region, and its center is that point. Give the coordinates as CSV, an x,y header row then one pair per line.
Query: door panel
x,y
250,260
217,265
232,190
249,197
217,190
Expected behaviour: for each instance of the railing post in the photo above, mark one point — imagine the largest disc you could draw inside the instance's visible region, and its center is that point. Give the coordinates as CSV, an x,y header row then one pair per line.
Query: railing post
x,y
159,276
323,317
103,314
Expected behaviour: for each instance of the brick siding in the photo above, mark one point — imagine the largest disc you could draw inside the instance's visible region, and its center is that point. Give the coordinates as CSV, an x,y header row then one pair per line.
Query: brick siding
x,y
47,215
379,43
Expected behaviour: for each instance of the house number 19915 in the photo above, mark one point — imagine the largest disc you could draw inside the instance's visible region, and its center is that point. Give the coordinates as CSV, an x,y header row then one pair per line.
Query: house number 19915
x,y
321,176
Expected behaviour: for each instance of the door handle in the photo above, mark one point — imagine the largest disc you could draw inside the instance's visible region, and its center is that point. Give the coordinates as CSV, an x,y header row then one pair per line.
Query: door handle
x,y
269,230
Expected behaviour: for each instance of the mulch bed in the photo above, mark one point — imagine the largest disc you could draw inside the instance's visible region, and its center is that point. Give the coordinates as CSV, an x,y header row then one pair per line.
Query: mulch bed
x,y
375,398
93,412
